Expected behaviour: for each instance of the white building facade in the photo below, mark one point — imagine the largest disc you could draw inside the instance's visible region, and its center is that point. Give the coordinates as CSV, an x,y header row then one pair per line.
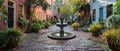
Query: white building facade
x,y
101,9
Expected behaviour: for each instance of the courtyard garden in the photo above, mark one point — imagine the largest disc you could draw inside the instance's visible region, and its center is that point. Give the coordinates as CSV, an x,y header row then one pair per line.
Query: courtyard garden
x,y
70,29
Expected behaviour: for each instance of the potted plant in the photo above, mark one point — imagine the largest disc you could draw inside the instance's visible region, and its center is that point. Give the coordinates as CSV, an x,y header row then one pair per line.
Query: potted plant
x,y
113,38
41,23
96,29
75,25
46,24
36,27
10,37
22,21
1,39
113,32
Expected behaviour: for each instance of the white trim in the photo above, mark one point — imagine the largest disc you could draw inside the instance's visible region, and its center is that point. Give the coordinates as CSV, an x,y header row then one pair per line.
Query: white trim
x,y
22,9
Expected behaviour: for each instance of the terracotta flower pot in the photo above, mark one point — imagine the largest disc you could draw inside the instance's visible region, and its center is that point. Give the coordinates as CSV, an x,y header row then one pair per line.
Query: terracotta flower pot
x,y
113,47
76,29
95,34
12,44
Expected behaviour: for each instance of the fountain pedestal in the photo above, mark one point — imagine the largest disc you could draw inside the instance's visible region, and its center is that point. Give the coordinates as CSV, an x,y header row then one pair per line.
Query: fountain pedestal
x,y
61,35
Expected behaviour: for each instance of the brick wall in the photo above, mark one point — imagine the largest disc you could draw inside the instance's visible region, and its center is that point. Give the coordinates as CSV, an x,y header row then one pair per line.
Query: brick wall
x,y
17,3
2,25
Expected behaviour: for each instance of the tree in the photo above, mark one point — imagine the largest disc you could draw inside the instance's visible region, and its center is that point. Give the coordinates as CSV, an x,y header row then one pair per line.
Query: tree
x,y
76,5
68,8
64,10
57,5
34,3
116,7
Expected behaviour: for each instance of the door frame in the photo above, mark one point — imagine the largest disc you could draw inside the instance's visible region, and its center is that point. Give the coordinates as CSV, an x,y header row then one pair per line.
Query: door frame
x,y
14,6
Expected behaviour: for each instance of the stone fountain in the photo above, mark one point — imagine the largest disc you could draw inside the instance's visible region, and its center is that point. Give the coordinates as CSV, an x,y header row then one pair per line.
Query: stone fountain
x,y
61,35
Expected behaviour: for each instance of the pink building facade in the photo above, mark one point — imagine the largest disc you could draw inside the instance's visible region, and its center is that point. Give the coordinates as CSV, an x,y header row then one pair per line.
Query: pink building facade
x,y
44,15
13,7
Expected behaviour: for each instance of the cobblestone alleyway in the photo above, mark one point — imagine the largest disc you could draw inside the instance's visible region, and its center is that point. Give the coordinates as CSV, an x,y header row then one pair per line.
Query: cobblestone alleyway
x,y
40,42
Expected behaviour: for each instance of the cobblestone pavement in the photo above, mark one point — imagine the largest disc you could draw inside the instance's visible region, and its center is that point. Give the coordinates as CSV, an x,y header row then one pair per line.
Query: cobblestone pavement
x,y
40,42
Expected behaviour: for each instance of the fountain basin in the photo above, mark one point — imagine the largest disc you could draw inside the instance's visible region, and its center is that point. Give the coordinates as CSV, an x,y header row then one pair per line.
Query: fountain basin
x,y
59,24
66,36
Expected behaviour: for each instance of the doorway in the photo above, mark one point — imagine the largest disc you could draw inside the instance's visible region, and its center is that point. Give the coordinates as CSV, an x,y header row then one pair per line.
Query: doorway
x,y
101,14
10,14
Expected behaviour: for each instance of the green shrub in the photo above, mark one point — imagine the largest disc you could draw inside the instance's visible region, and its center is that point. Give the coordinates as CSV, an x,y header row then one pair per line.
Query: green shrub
x,y
35,20
2,35
113,21
95,26
39,21
23,22
47,24
113,38
10,37
36,26
85,29
95,29
102,23
69,21
75,25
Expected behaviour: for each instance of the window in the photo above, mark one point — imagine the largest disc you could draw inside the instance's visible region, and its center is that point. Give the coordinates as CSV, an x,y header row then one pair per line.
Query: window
x,y
21,9
109,10
94,14
94,1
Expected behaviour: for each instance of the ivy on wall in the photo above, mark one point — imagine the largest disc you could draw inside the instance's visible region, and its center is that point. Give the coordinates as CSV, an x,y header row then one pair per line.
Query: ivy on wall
x,y
3,11
1,3
116,7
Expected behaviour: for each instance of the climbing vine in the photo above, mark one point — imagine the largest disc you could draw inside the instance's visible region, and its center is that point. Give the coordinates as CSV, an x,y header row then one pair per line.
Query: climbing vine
x,y
1,3
116,7
3,10
36,3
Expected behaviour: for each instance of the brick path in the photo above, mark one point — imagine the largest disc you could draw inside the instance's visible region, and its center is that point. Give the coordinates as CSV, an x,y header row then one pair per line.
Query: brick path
x,y
40,42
